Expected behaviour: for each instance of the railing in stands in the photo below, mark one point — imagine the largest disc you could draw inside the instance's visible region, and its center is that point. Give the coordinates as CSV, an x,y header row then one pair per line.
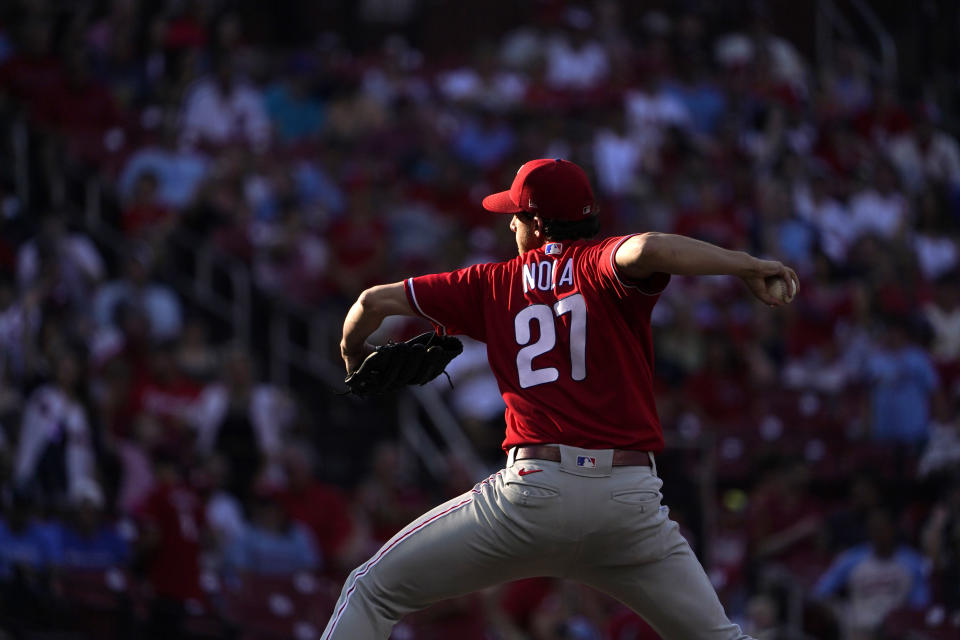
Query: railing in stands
x,y
830,20
233,308
285,354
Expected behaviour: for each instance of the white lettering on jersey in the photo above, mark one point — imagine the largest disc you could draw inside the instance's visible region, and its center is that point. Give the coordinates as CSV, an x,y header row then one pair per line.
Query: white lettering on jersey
x,y
543,275
567,276
529,277
545,283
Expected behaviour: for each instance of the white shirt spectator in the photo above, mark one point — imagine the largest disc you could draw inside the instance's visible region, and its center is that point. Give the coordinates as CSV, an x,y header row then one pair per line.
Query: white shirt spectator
x,y
50,416
617,160
224,516
158,302
946,332
649,114
80,264
18,324
874,212
940,161
271,413
831,219
575,68
942,451
475,393
739,49
217,118
502,89
178,171
937,255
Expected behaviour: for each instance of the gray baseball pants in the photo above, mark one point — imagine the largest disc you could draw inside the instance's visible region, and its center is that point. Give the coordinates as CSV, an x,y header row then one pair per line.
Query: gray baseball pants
x,y
601,526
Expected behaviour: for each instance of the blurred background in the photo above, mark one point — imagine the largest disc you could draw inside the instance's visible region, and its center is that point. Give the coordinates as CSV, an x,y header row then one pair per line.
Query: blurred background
x,y
192,192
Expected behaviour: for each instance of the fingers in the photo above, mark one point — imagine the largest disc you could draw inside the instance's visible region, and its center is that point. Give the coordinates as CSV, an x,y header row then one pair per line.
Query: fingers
x,y
794,283
769,268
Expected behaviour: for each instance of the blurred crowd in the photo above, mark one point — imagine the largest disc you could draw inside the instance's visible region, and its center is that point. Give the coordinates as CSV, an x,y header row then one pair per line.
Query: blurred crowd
x,y
332,146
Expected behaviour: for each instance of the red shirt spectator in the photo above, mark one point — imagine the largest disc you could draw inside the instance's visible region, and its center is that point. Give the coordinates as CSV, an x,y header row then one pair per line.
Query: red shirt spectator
x,y
324,509
172,517
144,213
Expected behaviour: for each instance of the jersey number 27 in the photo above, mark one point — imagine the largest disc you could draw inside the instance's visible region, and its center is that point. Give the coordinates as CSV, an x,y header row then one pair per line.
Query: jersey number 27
x,y
544,316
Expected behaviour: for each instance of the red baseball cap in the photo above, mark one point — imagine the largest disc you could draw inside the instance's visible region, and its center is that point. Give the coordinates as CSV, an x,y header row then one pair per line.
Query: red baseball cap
x,y
553,189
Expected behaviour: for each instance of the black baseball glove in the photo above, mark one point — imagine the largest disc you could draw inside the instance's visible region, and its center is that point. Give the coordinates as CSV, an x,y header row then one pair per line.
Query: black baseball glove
x,y
396,364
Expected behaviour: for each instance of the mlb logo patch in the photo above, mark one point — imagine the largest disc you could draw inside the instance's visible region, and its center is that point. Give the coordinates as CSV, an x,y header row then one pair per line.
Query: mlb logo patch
x,y
586,462
553,249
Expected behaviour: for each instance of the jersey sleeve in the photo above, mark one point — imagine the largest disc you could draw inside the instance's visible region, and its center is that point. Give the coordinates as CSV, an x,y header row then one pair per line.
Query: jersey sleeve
x,y
611,275
453,302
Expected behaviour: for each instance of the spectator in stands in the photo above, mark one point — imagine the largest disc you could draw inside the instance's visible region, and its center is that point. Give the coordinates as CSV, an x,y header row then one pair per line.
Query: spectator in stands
x,y
941,543
55,448
296,113
171,521
30,551
178,170
902,380
878,577
67,265
816,206
242,420
196,358
785,520
847,526
85,112
942,453
484,140
927,155
322,508
388,497
934,239
879,207
223,109
157,301
223,512
942,313
271,543
144,217
88,540
576,61
19,327
28,547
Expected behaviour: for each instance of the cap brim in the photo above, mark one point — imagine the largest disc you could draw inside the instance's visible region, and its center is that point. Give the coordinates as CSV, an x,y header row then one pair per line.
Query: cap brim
x,y
500,203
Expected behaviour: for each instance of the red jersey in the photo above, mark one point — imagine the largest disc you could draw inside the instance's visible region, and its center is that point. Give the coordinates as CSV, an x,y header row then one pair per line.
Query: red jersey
x,y
568,339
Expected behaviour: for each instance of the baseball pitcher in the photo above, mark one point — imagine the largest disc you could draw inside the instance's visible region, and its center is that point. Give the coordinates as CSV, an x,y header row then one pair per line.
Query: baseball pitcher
x,y
567,328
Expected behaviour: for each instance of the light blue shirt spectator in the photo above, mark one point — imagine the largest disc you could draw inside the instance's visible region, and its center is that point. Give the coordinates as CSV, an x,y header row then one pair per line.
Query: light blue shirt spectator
x,y
294,117
705,103
178,173
158,302
37,546
484,144
903,380
258,550
102,549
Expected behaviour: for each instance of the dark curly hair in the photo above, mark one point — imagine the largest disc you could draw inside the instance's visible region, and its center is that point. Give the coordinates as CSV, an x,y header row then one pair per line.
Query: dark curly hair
x,y
558,230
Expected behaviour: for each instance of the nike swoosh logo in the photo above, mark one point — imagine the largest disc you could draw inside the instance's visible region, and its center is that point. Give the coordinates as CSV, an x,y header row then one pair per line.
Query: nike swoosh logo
x,y
524,472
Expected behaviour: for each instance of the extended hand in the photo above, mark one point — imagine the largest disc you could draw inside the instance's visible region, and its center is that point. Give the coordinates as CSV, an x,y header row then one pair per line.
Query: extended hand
x,y
756,280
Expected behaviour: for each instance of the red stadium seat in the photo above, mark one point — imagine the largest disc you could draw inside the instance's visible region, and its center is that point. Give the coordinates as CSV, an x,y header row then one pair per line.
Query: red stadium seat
x,y
933,623
267,607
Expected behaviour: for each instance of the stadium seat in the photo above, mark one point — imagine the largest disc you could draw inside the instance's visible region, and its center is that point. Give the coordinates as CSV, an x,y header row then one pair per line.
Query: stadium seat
x,y
268,607
932,623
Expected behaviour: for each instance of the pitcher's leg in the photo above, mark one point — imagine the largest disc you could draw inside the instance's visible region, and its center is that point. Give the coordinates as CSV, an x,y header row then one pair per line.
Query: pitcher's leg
x,y
461,546
673,594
